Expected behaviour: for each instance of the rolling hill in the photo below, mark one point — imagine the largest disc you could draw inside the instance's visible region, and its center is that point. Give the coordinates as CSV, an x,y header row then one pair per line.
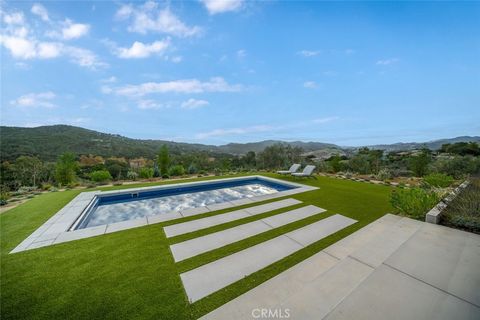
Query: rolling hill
x,y
47,142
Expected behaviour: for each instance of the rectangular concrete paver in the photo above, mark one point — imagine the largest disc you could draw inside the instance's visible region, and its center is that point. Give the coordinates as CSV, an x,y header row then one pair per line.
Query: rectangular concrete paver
x,y
202,281
390,294
203,223
282,219
211,277
320,229
442,257
272,206
193,247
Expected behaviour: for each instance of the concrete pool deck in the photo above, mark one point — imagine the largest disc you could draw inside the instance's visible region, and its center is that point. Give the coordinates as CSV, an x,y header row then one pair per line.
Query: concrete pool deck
x,y
394,268
58,228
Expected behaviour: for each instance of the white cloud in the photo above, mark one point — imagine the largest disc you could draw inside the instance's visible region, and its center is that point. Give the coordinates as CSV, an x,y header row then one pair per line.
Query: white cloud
x,y
387,62
21,44
220,6
20,48
151,104
241,54
39,10
310,84
149,17
48,50
112,79
43,99
73,30
142,50
14,18
309,53
176,59
194,104
217,84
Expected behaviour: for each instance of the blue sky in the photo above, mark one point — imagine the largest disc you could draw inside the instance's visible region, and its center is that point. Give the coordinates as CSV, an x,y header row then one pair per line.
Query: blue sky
x,y
214,72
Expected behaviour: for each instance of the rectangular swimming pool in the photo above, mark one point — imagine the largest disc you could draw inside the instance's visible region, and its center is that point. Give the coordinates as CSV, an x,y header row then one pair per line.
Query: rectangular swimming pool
x,y
135,204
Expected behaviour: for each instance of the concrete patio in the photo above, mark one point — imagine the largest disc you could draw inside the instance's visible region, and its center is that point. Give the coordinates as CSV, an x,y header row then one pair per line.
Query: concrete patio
x,y
394,268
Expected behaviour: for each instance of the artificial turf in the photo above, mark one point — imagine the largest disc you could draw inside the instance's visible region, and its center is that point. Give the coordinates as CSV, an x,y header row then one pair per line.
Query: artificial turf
x,y
131,274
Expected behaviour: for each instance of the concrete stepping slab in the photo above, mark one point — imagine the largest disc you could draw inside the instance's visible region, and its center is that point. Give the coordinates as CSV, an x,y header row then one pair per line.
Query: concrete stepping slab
x,y
356,240
203,223
320,229
378,249
277,289
193,247
202,281
443,257
213,276
390,294
272,206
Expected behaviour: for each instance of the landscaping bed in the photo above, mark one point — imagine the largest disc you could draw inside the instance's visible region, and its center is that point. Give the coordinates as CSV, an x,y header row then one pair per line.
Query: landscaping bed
x,y
464,211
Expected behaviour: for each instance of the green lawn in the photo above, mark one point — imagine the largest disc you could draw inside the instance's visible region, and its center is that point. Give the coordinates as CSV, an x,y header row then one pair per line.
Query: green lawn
x,y
131,274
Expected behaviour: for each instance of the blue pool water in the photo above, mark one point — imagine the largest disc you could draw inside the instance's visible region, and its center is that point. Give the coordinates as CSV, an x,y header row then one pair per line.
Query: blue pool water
x,y
134,205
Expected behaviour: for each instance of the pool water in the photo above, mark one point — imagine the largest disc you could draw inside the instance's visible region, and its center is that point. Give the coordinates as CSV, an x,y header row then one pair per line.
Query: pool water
x,y
124,207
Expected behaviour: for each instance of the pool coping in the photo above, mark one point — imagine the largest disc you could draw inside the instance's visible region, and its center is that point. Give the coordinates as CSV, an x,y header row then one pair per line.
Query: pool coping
x,y
57,229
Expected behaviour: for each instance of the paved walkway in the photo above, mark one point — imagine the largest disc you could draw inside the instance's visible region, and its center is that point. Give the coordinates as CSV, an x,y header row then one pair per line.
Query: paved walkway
x,y
194,247
202,281
394,268
199,224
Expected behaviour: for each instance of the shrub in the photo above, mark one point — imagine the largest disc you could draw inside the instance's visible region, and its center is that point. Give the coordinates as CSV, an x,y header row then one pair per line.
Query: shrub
x,y
53,189
146,173
177,170
415,202
132,175
4,196
46,186
383,174
438,180
192,168
101,176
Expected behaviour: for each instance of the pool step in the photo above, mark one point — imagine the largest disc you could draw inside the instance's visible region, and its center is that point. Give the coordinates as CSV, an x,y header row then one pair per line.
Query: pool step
x,y
203,223
204,280
194,247
315,286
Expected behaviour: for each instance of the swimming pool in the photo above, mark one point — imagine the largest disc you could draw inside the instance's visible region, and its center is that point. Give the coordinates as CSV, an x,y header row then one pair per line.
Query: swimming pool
x,y
136,204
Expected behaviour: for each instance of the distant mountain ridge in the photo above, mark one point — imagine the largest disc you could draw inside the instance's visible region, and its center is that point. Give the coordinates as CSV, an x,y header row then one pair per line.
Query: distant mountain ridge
x,y
47,142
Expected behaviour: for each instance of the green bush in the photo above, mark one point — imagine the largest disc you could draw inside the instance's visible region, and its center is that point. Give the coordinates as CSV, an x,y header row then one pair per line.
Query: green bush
x,y
177,170
132,175
100,176
415,202
383,174
46,186
146,173
438,180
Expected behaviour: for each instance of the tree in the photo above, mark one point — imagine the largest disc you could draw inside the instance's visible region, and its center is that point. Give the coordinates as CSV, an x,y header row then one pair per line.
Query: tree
x,y
65,170
335,163
163,160
419,163
27,169
100,176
